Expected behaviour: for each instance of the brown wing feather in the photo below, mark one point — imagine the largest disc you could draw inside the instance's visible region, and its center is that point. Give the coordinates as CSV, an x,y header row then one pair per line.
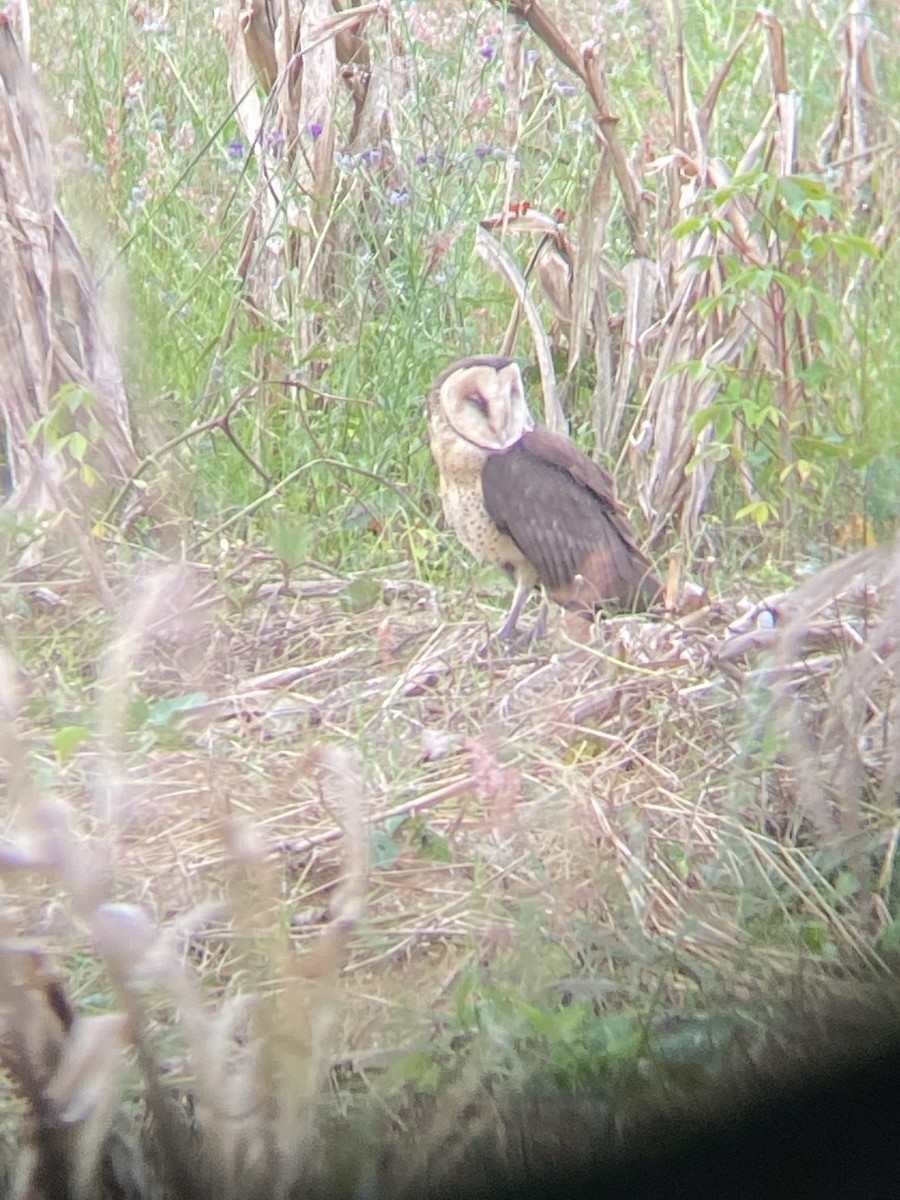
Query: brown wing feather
x,y
552,448
559,507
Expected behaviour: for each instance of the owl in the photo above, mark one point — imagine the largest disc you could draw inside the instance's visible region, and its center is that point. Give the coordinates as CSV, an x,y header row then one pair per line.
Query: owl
x,y
526,499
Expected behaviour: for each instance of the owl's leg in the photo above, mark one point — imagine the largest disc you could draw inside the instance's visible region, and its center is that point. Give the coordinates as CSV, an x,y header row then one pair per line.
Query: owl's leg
x,y
519,639
539,631
508,633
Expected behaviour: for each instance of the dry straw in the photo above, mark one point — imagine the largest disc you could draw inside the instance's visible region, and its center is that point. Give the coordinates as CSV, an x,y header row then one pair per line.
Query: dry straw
x,y
624,795
304,58
61,376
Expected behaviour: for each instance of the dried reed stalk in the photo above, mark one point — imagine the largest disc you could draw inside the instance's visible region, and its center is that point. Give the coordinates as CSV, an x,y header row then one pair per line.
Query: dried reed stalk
x,y
493,253
59,363
258,1061
661,329
297,54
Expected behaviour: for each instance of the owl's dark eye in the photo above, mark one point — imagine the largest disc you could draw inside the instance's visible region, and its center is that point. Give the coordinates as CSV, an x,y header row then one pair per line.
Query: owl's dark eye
x,y
480,402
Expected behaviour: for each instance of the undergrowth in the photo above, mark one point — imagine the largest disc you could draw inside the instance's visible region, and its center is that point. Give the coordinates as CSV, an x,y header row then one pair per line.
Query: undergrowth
x,y
281,836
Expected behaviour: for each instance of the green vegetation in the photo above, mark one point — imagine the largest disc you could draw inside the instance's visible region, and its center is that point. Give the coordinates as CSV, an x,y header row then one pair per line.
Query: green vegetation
x,y
159,178
274,818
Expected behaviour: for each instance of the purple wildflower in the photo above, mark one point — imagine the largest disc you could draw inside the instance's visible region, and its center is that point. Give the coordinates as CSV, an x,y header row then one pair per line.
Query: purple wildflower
x,y
482,151
421,159
314,129
487,52
139,197
133,93
236,149
154,24
399,196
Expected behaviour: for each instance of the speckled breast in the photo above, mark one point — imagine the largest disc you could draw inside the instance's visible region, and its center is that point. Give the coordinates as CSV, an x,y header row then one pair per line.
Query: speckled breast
x,y
466,515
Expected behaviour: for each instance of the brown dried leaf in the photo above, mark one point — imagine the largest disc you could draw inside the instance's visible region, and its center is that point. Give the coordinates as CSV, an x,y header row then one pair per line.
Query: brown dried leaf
x,y
492,252
544,27
641,284
590,304
124,938
259,41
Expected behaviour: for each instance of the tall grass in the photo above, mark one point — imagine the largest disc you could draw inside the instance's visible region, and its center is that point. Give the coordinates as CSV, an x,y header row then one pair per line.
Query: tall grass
x,y
583,870
165,177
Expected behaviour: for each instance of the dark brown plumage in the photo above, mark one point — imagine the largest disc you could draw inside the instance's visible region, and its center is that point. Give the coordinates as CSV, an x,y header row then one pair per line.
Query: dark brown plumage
x,y
530,500
559,507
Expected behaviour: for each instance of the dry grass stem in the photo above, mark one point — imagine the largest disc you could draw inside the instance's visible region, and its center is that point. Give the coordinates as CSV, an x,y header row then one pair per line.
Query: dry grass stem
x,y
506,764
62,381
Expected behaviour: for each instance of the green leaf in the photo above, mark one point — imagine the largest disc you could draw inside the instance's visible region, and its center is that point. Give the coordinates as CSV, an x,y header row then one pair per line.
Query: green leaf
x,y
433,847
756,415
889,939
820,447
759,511
704,417
803,302
798,191
846,885
620,1036
678,859
689,225
67,740
815,375
383,849
35,431
291,537
417,1069
361,594
816,938
847,243
689,367
161,712
77,445
74,397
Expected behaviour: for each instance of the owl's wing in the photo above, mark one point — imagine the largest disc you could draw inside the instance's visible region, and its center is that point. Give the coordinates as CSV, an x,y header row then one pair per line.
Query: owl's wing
x,y
559,507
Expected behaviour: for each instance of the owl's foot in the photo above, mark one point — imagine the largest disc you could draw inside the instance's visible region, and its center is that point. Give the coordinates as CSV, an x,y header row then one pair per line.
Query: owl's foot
x,y
516,639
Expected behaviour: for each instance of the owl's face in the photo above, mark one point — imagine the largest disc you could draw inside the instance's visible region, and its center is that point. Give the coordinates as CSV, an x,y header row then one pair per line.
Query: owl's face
x,y
485,404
